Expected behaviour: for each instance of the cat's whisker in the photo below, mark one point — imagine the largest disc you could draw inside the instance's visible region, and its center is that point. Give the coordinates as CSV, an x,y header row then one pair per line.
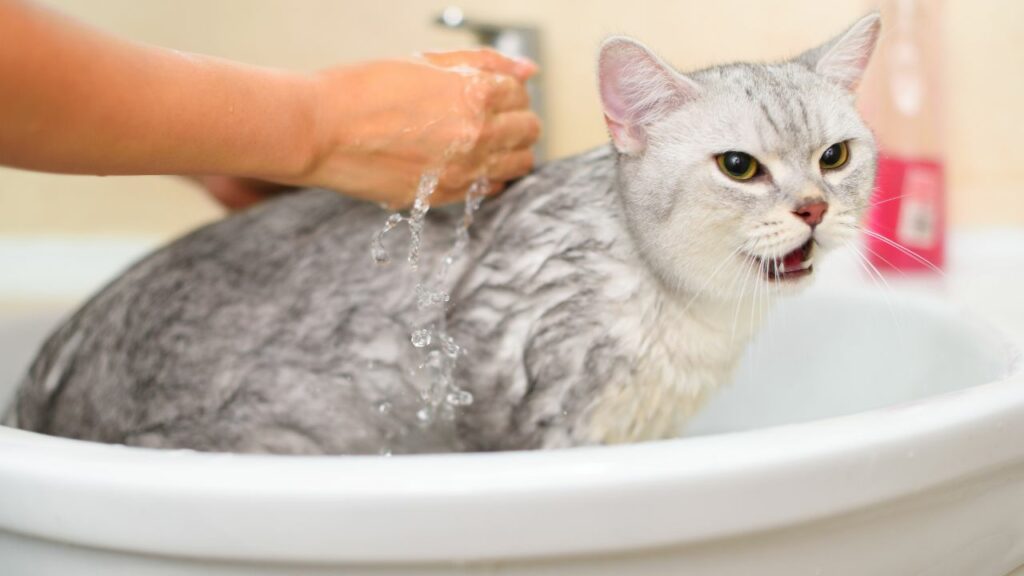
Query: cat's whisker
x,y
765,300
745,277
883,259
880,202
779,262
710,278
876,276
907,251
757,287
892,309
755,277
858,257
771,290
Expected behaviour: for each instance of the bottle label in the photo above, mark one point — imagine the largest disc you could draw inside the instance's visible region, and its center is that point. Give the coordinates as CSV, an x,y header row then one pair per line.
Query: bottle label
x,y
919,210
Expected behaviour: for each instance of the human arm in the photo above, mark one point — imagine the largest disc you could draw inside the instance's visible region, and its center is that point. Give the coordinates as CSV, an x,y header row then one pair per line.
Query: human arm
x,y
76,100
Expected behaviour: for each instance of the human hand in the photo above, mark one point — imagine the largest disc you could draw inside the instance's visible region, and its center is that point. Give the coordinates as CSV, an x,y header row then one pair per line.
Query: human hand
x,y
383,124
236,193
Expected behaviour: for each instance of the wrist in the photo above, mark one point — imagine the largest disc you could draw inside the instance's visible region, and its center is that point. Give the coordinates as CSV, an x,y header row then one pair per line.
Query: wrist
x,y
298,154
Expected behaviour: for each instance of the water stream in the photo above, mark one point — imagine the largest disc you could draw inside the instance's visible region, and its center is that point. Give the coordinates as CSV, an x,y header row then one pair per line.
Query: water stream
x,y
436,352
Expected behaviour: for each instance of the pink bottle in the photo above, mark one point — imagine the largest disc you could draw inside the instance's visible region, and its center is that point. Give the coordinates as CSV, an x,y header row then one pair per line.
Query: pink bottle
x,y
902,101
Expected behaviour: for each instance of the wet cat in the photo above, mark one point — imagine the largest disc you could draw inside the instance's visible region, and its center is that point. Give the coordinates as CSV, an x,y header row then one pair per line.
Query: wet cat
x,y
602,298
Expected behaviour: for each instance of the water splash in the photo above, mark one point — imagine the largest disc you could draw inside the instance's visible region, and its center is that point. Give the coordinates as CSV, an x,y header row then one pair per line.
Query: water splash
x,y
377,250
436,351
421,205
421,338
441,394
459,398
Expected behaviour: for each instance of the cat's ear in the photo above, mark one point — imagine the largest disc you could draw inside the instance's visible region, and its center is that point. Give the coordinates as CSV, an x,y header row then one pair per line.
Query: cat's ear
x,y
637,88
844,58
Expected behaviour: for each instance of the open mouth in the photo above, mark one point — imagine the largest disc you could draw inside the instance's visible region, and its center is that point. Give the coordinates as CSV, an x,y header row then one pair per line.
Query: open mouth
x,y
793,265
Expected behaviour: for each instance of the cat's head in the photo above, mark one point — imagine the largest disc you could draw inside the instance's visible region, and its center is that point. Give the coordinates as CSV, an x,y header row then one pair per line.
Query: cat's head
x,y
740,174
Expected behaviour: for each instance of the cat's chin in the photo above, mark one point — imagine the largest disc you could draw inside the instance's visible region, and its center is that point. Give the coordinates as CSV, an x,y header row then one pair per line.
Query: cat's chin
x,y
792,283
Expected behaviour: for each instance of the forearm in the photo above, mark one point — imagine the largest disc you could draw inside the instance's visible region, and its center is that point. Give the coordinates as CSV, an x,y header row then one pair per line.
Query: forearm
x,y
77,101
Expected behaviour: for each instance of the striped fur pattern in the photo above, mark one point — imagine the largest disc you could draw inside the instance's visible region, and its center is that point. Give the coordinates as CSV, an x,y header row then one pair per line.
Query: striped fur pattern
x,y
602,299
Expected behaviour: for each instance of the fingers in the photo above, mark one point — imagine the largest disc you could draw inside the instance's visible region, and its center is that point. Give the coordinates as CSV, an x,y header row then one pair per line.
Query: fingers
x,y
510,165
486,60
498,169
504,85
510,131
504,94
501,153
449,195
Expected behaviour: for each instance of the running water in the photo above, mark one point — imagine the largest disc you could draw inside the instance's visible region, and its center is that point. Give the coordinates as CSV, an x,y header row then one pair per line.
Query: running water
x,y
426,187
436,352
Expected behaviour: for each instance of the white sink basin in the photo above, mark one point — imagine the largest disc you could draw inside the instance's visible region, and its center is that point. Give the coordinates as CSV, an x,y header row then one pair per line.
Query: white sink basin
x,y
869,432
847,351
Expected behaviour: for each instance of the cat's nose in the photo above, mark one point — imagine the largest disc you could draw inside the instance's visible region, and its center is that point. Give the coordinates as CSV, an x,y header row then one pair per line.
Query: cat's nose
x,y
812,213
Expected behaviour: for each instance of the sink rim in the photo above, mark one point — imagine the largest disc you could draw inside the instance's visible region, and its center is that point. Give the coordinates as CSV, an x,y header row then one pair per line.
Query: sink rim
x,y
778,476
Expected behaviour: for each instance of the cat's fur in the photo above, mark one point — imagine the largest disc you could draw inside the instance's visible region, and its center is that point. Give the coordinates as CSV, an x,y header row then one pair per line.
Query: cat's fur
x,y
602,297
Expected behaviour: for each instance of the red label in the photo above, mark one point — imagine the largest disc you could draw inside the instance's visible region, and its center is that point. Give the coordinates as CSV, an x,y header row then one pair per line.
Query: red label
x,y
908,210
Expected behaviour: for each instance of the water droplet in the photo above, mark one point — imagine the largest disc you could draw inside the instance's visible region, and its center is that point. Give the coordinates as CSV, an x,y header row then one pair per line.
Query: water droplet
x,y
459,398
433,360
384,407
377,250
420,207
380,255
448,345
423,415
446,413
421,338
427,297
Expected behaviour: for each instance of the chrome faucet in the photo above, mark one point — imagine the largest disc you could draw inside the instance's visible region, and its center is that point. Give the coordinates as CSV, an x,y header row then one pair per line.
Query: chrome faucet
x,y
517,41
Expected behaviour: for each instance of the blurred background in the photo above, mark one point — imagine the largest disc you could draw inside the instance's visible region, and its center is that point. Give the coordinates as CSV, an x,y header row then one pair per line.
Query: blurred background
x,y
982,42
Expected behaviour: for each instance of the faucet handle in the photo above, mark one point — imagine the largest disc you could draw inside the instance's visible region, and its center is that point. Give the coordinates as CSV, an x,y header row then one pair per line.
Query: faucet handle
x,y
510,40
486,32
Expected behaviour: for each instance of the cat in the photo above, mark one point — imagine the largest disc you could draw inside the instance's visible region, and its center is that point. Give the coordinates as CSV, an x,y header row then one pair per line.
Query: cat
x,y
601,299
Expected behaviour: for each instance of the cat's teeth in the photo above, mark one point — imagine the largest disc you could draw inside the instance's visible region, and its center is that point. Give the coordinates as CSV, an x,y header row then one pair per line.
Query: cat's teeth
x,y
803,266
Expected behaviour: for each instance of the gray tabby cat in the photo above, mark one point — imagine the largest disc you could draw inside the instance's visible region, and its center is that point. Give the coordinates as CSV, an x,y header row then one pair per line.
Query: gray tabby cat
x,y
602,298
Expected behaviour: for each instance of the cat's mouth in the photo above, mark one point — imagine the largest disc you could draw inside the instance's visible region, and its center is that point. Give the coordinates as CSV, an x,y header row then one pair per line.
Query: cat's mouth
x,y
791,266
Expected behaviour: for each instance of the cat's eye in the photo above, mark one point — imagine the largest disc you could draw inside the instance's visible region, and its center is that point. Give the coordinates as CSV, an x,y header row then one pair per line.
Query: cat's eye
x,y
738,165
835,156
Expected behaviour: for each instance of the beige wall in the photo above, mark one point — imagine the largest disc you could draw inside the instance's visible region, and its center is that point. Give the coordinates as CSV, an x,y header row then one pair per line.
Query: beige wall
x,y
984,42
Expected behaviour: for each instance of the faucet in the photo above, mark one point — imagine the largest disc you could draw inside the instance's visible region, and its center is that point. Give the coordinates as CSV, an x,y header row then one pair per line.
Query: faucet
x,y
516,41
